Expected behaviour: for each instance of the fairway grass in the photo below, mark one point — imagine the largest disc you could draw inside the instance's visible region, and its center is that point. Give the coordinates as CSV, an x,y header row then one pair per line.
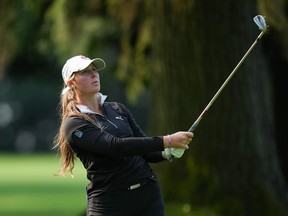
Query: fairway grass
x,y
28,186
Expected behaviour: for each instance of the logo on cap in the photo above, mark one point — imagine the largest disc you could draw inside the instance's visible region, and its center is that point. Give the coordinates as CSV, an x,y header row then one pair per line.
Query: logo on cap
x,y
84,57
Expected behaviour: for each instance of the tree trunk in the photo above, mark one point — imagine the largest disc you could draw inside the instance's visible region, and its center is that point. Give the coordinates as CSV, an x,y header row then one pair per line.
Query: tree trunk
x,y
232,162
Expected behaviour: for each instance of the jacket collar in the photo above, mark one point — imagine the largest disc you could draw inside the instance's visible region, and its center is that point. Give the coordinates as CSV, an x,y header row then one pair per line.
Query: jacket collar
x,y
85,109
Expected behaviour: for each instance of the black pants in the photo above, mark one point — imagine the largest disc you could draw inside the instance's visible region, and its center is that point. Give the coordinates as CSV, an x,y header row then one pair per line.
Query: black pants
x,y
146,200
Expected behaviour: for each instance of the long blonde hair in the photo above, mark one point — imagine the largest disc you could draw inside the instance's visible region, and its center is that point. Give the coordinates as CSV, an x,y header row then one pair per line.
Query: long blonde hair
x,y
67,108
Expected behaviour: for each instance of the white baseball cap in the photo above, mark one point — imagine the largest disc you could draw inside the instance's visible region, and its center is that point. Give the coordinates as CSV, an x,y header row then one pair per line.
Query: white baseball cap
x,y
78,63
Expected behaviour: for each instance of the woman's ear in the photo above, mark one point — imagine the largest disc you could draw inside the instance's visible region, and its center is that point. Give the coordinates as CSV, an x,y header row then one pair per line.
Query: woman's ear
x,y
70,83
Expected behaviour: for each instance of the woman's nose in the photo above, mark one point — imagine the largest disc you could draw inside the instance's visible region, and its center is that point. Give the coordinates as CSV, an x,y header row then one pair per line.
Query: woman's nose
x,y
92,72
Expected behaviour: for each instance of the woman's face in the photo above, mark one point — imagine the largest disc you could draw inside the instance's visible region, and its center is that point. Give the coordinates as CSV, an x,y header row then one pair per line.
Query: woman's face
x,y
87,81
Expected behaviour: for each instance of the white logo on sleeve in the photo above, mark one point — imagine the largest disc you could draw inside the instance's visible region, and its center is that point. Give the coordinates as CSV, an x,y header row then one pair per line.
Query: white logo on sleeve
x,y
78,133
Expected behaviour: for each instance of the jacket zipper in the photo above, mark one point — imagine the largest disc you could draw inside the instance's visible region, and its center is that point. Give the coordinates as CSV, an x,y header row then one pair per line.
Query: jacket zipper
x,y
111,122
107,120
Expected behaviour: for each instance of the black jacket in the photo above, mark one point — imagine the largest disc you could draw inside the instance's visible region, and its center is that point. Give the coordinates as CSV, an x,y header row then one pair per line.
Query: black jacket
x,y
117,153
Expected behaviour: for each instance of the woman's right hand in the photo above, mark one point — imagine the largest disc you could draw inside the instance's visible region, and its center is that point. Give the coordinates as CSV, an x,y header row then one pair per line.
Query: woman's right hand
x,y
179,139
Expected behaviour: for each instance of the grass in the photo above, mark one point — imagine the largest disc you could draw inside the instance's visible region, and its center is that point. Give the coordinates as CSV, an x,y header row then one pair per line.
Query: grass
x,y
28,186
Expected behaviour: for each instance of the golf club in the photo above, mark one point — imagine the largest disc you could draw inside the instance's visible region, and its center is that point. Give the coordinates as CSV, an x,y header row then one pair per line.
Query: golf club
x,y
260,22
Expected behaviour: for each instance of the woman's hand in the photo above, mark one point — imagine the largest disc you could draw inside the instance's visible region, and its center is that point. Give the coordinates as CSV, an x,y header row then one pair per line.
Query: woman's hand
x,y
179,139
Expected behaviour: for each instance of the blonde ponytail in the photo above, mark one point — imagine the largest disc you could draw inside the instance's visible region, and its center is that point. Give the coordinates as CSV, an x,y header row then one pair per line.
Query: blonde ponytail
x,y
67,107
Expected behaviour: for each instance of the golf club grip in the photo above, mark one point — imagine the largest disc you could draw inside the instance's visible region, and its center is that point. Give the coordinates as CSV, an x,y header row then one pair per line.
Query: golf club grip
x,y
193,127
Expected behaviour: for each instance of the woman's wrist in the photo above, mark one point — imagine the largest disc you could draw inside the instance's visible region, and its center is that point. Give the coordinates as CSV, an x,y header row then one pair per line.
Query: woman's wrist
x,y
165,141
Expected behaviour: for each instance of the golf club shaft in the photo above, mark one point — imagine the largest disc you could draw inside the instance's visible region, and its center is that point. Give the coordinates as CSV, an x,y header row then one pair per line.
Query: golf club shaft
x,y
193,127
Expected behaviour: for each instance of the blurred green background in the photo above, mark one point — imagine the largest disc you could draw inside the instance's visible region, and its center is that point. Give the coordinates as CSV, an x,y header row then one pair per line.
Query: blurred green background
x,y
165,60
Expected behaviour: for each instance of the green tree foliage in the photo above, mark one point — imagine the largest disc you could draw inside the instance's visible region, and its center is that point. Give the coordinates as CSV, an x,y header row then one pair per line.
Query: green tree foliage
x,y
134,63
78,27
63,28
19,24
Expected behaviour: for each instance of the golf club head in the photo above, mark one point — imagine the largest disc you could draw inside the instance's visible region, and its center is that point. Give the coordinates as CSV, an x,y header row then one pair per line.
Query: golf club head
x,y
260,22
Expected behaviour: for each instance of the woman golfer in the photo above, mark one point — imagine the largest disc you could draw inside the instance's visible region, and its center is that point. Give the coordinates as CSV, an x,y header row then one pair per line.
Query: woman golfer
x,y
110,144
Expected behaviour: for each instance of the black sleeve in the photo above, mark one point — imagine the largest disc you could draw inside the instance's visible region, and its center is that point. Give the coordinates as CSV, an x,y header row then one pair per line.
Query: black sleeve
x,y
85,135
153,157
